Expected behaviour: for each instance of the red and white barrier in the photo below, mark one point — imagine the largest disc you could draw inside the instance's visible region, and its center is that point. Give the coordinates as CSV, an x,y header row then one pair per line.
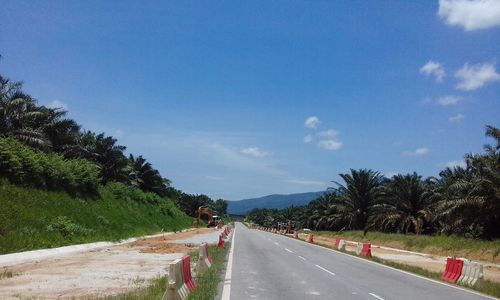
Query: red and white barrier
x,y
310,238
341,245
359,247
453,270
366,250
472,273
204,260
180,281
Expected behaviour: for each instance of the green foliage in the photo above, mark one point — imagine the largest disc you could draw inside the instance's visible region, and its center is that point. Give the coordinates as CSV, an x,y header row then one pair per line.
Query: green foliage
x,y
32,218
206,283
29,167
462,201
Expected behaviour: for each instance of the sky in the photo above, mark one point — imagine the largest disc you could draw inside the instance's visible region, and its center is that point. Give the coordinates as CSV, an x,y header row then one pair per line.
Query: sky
x,y
239,99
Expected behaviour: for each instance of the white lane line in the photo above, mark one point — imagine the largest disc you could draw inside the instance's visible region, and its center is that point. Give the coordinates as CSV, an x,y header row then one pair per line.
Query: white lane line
x,y
226,290
276,243
301,257
378,297
398,270
327,271
288,250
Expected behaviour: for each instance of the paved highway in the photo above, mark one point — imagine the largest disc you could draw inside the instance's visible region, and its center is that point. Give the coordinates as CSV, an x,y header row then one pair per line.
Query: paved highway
x,y
269,266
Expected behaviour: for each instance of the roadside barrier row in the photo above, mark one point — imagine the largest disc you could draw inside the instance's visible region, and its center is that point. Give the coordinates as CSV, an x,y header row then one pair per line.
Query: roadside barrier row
x,y
180,281
461,271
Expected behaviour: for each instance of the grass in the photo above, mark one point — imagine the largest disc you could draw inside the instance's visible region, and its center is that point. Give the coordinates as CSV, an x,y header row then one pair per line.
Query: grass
x,y
442,245
33,218
207,283
6,274
487,287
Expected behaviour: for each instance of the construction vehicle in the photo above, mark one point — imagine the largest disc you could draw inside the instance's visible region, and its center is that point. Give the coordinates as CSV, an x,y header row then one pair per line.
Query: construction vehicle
x,y
212,219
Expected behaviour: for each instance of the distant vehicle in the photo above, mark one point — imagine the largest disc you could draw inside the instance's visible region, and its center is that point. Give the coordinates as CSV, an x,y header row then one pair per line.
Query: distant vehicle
x,y
306,229
212,219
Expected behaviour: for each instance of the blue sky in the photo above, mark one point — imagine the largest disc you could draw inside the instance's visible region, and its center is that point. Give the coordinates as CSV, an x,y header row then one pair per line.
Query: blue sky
x,y
238,99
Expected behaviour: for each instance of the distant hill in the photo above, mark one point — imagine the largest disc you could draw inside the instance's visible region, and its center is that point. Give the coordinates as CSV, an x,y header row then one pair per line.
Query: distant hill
x,y
271,201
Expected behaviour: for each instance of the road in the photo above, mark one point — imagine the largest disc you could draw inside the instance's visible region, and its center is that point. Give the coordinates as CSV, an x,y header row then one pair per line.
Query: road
x,y
270,266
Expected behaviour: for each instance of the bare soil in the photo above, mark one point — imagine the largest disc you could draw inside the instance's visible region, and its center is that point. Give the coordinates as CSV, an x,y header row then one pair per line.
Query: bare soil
x,y
92,274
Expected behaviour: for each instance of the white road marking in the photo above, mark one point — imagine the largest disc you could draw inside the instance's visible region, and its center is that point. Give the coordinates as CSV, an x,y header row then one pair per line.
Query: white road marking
x,y
226,290
276,243
378,297
327,271
288,250
302,257
398,270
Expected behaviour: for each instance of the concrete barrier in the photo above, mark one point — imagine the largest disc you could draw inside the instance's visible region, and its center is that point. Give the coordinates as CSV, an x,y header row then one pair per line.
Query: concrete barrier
x,y
453,270
341,245
472,273
310,238
359,248
366,250
180,282
220,244
295,235
204,260
337,241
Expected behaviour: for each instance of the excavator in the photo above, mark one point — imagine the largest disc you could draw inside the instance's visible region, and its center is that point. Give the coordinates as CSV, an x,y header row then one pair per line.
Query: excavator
x,y
212,219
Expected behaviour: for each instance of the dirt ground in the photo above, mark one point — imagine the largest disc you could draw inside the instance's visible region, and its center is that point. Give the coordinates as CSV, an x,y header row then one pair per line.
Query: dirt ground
x,y
431,262
109,271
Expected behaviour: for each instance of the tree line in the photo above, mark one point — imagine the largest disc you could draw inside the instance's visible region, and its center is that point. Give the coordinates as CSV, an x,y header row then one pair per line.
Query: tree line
x,y
42,147
461,200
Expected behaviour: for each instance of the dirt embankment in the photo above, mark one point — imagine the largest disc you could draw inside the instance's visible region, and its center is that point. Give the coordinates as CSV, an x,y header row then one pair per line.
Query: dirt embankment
x,y
109,271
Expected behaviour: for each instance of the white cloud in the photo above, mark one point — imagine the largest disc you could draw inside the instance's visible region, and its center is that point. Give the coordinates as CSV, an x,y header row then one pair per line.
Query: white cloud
x,y
448,100
312,122
308,138
58,104
391,174
433,68
254,151
475,76
456,118
417,152
330,133
307,182
470,14
456,163
330,144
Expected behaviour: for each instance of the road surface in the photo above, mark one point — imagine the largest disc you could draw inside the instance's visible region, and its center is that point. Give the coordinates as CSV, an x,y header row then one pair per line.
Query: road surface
x,y
270,266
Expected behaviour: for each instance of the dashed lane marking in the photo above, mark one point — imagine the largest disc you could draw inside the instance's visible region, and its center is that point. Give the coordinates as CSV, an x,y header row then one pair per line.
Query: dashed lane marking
x,y
375,296
327,271
288,250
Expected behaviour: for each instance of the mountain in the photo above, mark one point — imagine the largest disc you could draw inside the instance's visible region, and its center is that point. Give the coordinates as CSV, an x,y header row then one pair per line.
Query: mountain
x,y
272,201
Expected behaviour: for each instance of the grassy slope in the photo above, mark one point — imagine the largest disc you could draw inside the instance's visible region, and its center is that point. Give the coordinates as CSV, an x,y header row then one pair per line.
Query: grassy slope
x,y
34,219
439,245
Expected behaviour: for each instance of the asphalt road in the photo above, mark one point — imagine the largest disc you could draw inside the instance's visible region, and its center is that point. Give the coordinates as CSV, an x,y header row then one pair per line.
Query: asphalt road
x,y
270,266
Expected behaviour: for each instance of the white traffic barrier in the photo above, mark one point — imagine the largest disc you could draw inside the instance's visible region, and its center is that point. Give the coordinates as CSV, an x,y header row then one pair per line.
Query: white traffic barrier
x,y
176,288
204,261
359,248
341,245
472,273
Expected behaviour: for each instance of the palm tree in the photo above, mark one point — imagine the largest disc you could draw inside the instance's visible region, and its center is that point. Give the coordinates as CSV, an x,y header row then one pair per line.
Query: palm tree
x,y
406,205
471,203
356,198
146,177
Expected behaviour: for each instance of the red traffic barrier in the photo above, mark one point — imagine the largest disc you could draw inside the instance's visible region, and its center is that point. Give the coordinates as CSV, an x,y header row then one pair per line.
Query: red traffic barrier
x,y
337,242
310,238
366,250
453,270
207,254
220,244
186,268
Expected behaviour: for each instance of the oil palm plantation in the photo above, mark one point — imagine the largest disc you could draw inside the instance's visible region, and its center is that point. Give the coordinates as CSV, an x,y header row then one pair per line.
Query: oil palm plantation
x,y
356,197
406,205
